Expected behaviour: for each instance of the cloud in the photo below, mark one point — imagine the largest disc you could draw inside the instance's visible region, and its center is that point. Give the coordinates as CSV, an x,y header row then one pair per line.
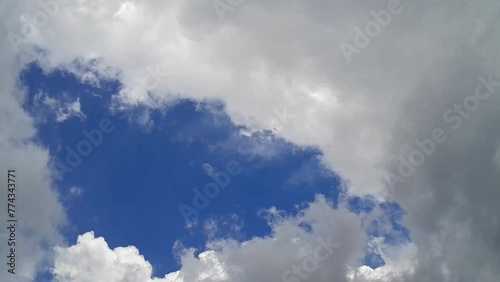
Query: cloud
x,y
46,107
38,209
452,198
268,55
309,78
347,110
69,110
336,237
75,191
92,260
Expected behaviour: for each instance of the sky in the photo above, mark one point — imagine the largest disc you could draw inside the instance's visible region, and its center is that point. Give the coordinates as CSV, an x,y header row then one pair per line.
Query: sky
x,y
210,141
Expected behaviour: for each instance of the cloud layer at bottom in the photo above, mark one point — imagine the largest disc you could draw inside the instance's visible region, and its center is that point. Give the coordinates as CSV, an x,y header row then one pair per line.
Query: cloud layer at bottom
x,y
331,248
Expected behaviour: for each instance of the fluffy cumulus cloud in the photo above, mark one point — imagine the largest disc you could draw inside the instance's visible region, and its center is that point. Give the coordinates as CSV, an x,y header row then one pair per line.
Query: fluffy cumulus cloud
x,y
279,65
330,247
92,260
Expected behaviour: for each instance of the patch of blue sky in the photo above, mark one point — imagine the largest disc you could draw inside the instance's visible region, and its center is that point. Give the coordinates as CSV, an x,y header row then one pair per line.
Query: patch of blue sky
x,y
133,181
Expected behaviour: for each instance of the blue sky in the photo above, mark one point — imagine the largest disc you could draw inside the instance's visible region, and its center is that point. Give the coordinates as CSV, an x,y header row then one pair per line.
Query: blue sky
x,y
133,182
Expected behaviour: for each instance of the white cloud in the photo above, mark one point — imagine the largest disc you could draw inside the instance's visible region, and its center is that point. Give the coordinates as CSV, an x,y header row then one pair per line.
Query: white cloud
x,y
336,232
92,260
347,110
39,210
268,55
209,169
70,110
63,108
75,191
